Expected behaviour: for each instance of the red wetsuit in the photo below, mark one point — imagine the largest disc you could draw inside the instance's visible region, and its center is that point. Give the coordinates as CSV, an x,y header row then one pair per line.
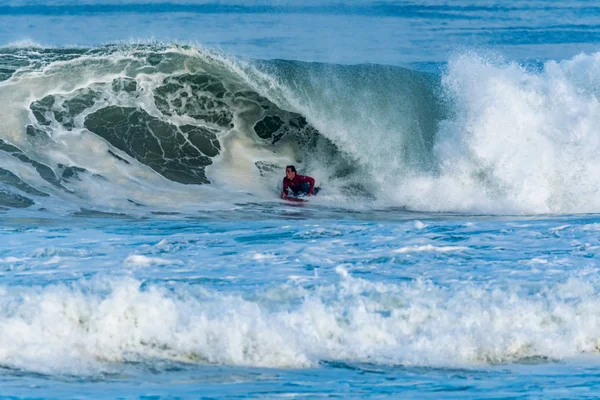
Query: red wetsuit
x,y
296,185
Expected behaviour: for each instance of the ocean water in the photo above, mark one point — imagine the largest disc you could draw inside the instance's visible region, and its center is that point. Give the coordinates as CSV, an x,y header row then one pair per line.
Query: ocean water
x,y
451,252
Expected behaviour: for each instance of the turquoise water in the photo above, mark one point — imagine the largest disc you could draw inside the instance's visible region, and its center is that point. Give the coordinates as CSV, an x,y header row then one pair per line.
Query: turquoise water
x,y
452,251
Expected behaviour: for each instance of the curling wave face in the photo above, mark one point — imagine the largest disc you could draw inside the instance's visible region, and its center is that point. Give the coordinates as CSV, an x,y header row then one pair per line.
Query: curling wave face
x,y
134,119
133,127
120,127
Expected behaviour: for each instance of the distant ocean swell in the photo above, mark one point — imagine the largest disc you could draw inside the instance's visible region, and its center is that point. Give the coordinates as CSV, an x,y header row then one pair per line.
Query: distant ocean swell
x,y
136,126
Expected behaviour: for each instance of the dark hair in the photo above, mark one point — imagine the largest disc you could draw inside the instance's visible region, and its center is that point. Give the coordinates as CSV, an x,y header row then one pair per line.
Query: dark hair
x,y
291,167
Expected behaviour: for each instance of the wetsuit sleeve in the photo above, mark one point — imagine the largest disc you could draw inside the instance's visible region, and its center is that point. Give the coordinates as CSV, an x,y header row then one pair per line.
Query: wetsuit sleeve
x,y
308,179
285,189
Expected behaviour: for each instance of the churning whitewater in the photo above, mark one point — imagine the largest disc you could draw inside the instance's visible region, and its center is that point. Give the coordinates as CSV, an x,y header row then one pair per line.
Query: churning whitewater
x,y
85,328
129,128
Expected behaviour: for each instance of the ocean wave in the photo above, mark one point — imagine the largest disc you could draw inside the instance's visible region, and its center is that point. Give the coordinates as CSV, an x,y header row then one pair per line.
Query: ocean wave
x,y
87,327
149,126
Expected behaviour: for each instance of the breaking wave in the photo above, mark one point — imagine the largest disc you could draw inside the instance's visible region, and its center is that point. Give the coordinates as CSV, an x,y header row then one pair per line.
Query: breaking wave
x,y
89,327
171,127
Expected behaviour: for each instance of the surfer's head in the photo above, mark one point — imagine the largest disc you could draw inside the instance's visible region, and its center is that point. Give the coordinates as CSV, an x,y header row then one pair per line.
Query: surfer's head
x,y
290,171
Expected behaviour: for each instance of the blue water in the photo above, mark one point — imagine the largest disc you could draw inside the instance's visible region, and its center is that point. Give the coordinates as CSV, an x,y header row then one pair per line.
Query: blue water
x,y
451,252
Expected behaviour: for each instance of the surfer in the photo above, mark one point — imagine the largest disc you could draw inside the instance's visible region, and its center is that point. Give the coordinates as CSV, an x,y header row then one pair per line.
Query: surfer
x,y
299,184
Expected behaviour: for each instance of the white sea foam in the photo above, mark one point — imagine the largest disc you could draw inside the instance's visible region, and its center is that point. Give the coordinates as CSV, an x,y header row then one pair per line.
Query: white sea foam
x,y
591,227
430,248
559,228
420,225
138,260
11,259
534,261
263,257
517,140
79,328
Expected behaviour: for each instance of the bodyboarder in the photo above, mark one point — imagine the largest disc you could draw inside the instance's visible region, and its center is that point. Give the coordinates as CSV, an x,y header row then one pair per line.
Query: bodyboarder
x,y
298,185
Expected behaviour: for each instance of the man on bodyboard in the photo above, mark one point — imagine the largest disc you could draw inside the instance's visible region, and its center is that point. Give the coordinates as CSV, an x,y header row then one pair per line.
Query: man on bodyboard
x,y
299,185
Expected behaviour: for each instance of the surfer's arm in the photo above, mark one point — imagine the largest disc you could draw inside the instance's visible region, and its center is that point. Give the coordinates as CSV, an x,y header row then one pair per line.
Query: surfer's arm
x,y
284,193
